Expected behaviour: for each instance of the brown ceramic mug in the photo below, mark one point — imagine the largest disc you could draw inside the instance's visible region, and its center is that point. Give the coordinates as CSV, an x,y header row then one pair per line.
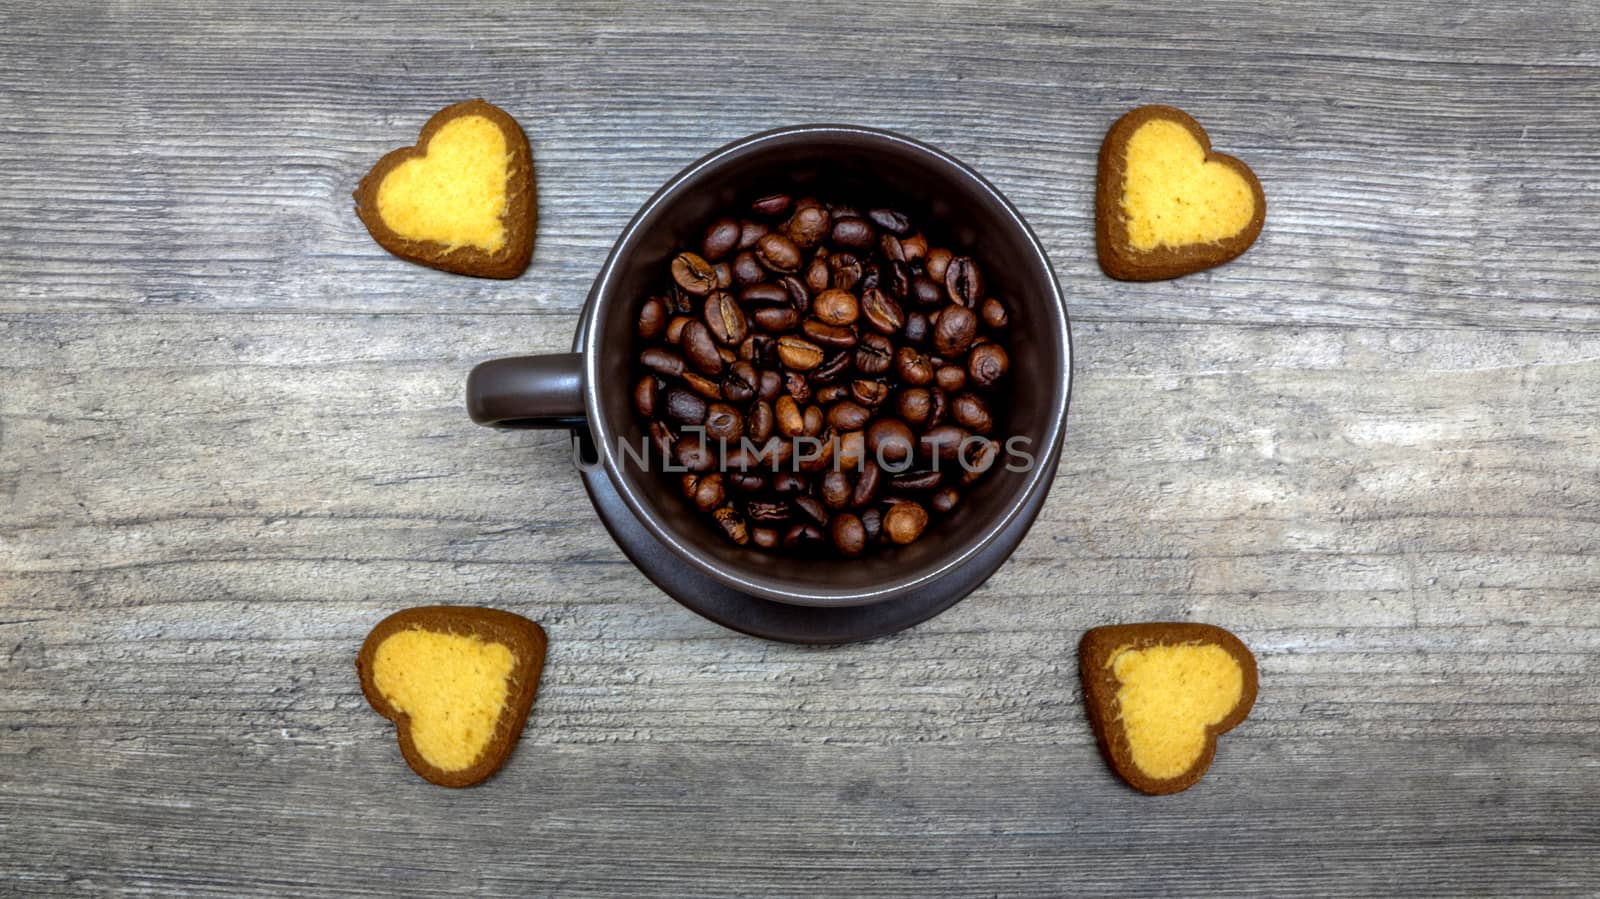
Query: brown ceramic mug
x,y
589,390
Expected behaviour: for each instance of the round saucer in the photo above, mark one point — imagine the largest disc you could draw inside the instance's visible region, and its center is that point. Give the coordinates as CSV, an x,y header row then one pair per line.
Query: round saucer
x,y
787,623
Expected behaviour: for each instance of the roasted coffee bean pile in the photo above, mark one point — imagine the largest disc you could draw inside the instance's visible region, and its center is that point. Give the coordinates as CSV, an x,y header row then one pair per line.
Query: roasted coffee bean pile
x,y
828,379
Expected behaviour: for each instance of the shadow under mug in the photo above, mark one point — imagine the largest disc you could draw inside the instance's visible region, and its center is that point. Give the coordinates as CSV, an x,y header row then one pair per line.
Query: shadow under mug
x,y
591,389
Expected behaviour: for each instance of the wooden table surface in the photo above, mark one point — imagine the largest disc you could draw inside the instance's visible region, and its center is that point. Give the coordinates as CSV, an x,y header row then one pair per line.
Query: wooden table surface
x,y
232,440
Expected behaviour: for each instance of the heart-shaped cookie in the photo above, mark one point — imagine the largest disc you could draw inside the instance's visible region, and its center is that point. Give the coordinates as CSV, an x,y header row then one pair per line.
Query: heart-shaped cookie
x,y
458,683
1165,204
1159,694
461,200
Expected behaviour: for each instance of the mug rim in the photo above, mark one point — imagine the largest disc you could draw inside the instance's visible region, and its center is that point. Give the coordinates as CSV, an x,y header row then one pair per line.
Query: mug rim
x,y
600,297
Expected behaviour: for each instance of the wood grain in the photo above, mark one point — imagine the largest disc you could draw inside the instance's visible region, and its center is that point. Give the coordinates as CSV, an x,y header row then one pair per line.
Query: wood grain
x,y
232,440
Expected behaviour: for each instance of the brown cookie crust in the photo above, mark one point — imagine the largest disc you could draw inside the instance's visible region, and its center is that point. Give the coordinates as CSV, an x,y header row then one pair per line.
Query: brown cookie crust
x,y
1118,258
520,217
1100,687
526,641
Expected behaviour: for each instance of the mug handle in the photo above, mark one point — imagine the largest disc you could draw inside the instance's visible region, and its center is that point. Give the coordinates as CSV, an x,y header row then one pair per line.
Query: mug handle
x,y
528,392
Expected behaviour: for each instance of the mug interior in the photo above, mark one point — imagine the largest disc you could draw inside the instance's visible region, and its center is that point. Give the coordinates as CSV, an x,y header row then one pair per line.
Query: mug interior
x,y
956,209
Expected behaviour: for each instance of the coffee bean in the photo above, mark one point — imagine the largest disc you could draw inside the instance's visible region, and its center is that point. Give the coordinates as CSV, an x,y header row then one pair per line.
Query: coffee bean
x,y
768,512
739,382
938,406
874,354
945,500
821,457
700,350
759,423
771,386
905,522
772,205
778,253
803,538
926,292
684,406
747,269
693,274
872,524
849,535
913,405
916,481
883,314
988,364
917,327
724,423
955,330
797,386
663,362
868,393
889,246
937,263
849,416
890,220
866,486
722,236
832,393
814,420
971,412
836,490
787,483
725,319
733,525
709,492
852,449
692,453
834,368
890,443
750,232
912,367
812,509
836,307
897,279
943,442
798,354
846,271
977,455
662,440
702,385
652,318
776,319
644,396
818,274
791,421
675,326
765,294
914,247
746,482
852,232
871,276
808,225
724,275
766,538
834,336
798,293
994,314
950,378
964,281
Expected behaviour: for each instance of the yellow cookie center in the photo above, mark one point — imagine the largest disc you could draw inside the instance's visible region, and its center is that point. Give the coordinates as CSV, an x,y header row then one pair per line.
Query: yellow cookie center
x,y
1168,696
1173,197
454,194
452,686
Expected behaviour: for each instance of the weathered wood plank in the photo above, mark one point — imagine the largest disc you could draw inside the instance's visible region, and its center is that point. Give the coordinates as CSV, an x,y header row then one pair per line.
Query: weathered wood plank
x,y
1335,817
1423,167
